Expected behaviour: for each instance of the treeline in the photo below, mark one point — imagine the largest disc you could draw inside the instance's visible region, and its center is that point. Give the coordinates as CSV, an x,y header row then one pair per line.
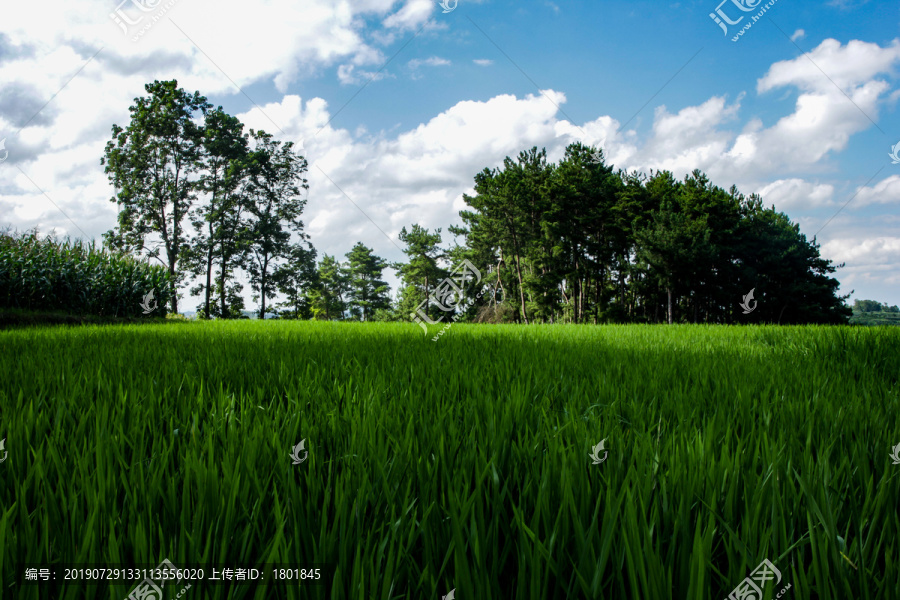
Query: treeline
x,y
581,242
869,306
207,200
45,274
570,242
872,312
180,163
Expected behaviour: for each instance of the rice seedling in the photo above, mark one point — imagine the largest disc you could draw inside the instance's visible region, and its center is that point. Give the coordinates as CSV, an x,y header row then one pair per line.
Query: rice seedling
x,y
464,465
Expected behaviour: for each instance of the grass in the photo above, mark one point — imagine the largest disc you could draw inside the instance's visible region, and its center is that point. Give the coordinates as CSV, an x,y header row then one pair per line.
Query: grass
x,y
461,464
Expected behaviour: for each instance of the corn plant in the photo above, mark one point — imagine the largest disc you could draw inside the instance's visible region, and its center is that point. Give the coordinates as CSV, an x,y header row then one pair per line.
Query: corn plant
x,y
76,277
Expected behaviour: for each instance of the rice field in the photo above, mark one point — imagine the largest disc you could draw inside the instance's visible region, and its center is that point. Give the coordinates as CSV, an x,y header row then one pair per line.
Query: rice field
x,y
459,466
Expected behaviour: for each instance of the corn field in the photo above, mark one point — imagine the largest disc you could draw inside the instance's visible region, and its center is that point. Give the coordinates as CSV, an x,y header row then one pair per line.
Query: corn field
x,y
76,277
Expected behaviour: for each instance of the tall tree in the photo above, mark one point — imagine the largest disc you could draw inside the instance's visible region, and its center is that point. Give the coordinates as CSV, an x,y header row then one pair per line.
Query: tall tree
x,y
272,196
368,292
295,279
422,272
218,222
150,163
328,291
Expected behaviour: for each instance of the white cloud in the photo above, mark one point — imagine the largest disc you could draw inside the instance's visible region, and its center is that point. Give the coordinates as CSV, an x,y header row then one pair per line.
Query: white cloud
x,y
793,194
866,253
822,123
886,191
348,75
434,61
483,62
831,64
798,35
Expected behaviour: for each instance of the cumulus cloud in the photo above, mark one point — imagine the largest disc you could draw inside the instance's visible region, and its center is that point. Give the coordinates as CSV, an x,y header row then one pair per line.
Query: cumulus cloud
x,y
869,260
794,193
886,191
832,64
824,118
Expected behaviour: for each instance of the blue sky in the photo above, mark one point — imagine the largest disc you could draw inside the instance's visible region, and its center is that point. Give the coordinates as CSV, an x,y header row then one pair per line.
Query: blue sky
x,y
802,108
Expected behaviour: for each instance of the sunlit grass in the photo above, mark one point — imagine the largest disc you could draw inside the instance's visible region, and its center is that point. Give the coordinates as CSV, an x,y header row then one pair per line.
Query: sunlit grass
x,y
457,464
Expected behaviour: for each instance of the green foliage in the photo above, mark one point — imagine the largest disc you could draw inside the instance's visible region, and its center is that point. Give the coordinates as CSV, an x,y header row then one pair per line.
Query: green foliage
x,y
295,279
222,235
872,312
275,205
577,242
166,160
150,163
76,277
422,273
457,464
869,306
367,292
327,295
875,318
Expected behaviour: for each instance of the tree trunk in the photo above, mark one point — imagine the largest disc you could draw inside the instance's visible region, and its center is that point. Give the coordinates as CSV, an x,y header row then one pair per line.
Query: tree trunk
x,y
262,290
669,307
521,288
209,264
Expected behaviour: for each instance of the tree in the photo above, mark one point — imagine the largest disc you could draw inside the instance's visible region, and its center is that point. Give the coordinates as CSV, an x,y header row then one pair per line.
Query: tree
x,y
368,292
422,272
223,158
228,302
673,240
328,291
150,163
272,197
578,241
295,279
867,306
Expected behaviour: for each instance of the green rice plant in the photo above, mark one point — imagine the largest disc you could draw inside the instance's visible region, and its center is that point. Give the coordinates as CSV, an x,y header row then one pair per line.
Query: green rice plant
x,y
462,464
